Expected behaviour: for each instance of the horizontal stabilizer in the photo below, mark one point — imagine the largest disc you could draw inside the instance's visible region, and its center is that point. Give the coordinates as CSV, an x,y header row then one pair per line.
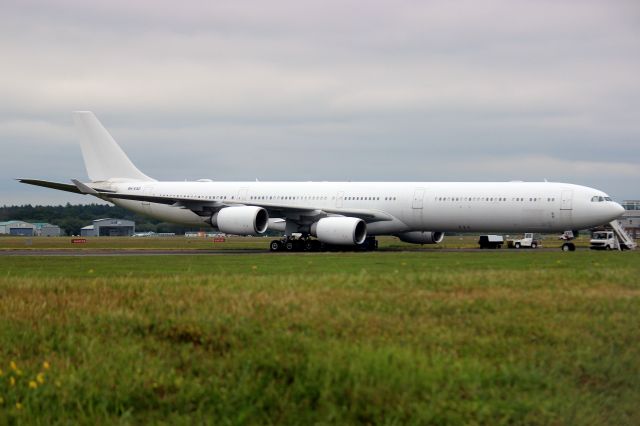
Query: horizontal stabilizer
x,y
53,185
77,188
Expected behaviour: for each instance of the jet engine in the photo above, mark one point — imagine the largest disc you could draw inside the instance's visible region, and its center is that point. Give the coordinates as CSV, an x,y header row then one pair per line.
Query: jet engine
x,y
340,230
244,220
421,237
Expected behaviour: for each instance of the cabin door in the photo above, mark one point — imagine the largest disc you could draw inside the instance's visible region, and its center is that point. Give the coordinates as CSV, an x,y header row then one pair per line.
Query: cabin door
x,y
566,209
242,194
339,199
416,208
418,198
566,202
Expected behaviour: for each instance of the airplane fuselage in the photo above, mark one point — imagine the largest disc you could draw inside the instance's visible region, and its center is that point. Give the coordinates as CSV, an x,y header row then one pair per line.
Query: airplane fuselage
x,y
412,206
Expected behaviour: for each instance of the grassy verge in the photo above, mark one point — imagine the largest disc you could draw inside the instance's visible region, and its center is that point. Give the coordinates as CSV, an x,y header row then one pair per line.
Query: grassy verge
x,y
407,338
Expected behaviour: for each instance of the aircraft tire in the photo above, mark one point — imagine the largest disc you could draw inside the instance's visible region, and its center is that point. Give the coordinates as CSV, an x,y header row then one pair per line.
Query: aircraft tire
x,y
275,245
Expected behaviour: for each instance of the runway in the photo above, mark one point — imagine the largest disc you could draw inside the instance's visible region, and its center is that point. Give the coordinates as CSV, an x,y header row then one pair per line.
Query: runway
x,y
122,252
187,252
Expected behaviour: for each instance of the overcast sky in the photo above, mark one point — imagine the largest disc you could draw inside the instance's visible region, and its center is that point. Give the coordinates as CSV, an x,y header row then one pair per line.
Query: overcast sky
x,y
325,90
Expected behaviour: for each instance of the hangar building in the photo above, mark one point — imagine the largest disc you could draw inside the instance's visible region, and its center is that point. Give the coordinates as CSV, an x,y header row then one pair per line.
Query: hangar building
x,y
109,228
17,227
47,230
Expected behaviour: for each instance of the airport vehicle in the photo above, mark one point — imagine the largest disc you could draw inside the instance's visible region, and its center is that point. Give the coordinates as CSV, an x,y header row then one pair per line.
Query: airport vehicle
x,y
615,239
527,241
603,240
490,241
334,213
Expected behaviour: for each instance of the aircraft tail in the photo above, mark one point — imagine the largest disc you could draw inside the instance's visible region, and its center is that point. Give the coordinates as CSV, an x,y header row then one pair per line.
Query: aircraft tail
x,y
103,157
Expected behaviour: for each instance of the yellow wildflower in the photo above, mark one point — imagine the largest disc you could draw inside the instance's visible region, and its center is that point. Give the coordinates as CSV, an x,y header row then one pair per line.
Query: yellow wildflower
x,y
45,365
40,378
12,381
13,365
32,384
1,373
1,400
18,406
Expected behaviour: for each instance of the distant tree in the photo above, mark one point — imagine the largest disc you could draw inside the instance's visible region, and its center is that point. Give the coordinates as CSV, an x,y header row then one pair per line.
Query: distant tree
x,y
71,218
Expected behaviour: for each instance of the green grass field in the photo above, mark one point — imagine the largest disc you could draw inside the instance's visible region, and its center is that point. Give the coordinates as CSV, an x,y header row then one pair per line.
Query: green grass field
x,y
327,338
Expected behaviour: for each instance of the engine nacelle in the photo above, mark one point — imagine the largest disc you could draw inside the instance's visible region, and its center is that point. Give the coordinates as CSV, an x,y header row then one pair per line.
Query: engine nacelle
x,y
421,237
340,230
244,220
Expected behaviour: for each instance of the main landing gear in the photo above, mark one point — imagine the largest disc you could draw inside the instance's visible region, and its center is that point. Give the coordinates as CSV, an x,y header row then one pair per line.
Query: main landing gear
x,y
307,244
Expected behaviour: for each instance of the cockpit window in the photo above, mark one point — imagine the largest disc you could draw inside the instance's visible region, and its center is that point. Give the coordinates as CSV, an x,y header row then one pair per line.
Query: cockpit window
x,y
608,199
599,199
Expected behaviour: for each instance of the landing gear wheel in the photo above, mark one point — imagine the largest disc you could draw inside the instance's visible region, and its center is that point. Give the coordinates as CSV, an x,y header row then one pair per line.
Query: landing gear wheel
x,y
275,245
369,244
312,245
289,246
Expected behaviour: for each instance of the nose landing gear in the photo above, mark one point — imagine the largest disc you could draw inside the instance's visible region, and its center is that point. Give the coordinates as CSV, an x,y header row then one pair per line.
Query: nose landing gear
x,y
567,237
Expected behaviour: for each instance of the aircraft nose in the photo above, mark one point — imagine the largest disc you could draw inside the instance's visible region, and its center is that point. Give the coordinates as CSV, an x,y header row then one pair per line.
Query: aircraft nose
x,y
618,209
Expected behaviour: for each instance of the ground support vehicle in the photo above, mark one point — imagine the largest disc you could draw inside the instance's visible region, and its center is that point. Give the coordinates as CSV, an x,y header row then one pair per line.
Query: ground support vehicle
x,y
528,241
490,241
609,240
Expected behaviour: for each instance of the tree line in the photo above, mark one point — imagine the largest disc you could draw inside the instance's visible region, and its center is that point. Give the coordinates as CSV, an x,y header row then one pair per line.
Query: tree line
x,y
70,218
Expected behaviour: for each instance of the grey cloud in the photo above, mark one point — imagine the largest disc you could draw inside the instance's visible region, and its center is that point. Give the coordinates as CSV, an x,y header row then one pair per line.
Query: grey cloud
x,y
326,90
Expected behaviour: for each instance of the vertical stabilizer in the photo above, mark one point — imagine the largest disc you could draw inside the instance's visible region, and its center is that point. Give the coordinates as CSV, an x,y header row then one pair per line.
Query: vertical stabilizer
x,y
103,157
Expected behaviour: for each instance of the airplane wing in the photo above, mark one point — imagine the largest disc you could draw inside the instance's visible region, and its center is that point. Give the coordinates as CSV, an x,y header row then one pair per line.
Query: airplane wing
x,y
274,209
203,206
57,185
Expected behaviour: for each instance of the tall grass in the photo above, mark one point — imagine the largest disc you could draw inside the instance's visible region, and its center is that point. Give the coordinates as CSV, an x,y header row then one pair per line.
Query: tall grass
x,y
391,338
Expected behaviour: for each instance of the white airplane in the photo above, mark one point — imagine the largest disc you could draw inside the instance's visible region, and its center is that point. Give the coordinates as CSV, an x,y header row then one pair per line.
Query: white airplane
x,y
335,213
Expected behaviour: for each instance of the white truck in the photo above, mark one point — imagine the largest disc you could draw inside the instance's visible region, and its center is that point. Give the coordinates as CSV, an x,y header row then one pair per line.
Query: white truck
x,y
603,240
527,242
607,240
